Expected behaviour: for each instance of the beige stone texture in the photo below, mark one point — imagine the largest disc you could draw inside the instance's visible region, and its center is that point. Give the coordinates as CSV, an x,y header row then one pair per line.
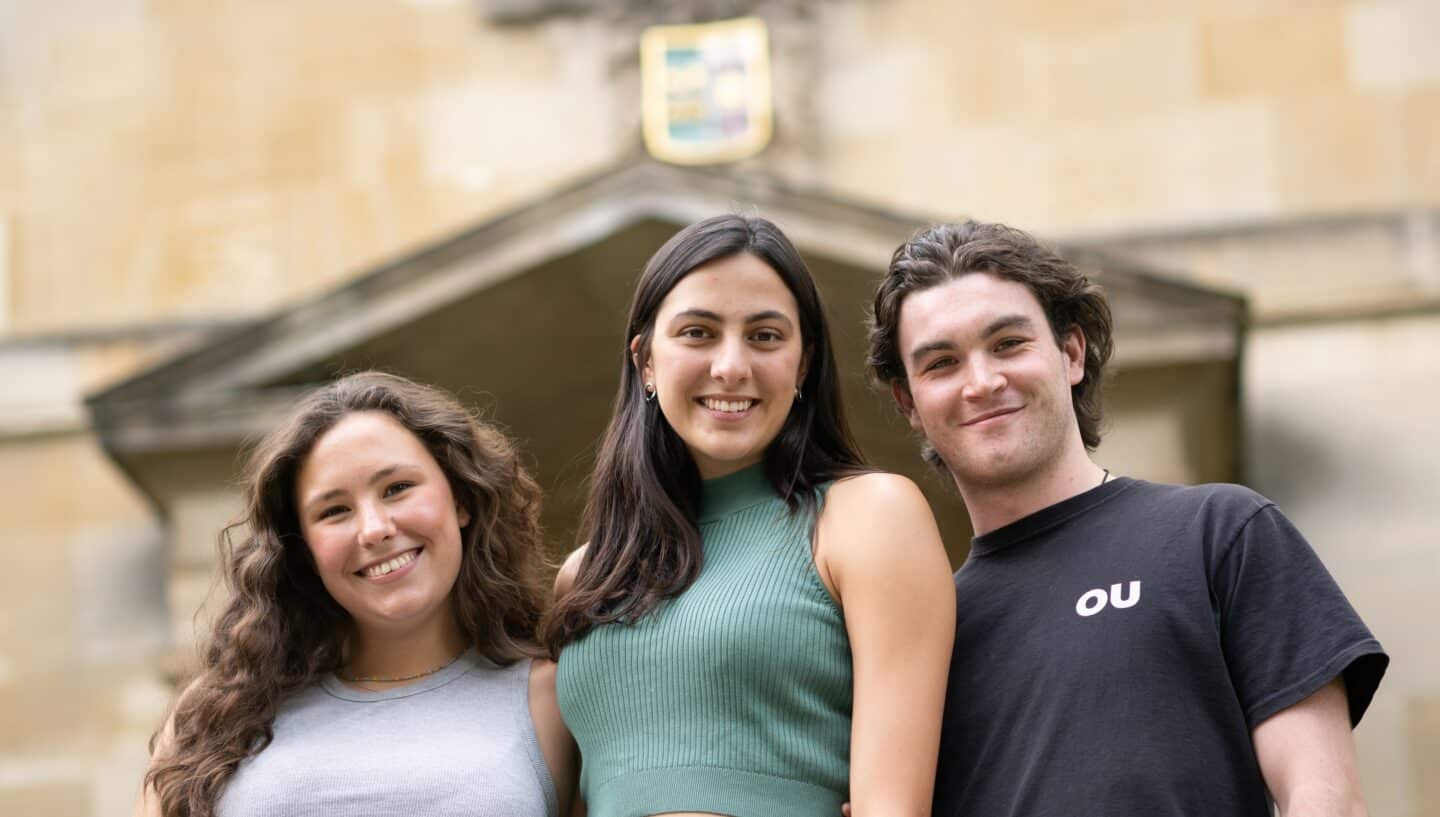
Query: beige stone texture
x,y
1339,151
1421,128
1308,269
1391,43
1094,76
1297,52
1342,436
187,160
1194,166
1424,720
82,620
58,799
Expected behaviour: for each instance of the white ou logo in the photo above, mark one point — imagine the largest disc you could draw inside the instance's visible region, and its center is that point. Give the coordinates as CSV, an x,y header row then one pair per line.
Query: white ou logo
x,y
1095,600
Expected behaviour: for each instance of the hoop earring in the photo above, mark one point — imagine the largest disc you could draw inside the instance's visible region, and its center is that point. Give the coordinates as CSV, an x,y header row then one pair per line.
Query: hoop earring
x,y
649,391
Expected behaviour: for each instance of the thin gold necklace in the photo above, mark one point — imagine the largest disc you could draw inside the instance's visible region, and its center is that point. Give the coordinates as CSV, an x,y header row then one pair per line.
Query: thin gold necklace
x,y
359,679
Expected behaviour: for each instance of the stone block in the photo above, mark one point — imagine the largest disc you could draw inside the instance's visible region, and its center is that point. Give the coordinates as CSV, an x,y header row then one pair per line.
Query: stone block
x,y
1273,55
1421,128
49,799
196,519
1391,43
1203,164
1424,719
195,597
1118,71
1339,151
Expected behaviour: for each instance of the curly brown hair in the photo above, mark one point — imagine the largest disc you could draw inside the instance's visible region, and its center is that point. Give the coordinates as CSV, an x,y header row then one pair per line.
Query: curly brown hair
x,y
281,630
947,251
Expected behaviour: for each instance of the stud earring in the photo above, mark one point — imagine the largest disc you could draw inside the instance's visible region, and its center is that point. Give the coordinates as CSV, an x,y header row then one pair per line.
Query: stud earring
x,y
799,398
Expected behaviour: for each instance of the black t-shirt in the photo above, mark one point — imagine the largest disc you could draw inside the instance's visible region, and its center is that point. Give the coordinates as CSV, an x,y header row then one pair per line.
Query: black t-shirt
x,y
1114,651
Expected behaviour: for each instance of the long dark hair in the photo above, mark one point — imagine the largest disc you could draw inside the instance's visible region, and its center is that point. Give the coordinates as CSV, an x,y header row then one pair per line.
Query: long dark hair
x,y
641,517
281,630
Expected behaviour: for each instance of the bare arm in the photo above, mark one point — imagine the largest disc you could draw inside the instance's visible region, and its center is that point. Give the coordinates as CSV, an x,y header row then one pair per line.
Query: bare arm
x,y
1307,756
571,805
556,744
881,554
565,577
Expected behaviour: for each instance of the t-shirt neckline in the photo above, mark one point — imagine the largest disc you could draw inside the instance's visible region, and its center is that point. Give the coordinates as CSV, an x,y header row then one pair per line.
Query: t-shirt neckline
x,y
467,661
1047,517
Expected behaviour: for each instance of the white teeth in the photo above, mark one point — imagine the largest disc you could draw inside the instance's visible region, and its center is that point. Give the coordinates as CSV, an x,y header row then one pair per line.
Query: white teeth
x,y
728,405
390,565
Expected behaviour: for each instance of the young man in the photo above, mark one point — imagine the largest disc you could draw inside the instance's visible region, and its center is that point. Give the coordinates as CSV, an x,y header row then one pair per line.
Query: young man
x,y
1122,647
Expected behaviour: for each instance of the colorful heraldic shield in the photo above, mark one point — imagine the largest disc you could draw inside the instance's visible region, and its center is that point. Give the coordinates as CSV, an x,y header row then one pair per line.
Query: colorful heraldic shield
x,y
707,91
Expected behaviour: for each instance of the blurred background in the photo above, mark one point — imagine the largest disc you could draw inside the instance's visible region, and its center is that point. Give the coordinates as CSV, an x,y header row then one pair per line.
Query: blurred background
x,y
207,205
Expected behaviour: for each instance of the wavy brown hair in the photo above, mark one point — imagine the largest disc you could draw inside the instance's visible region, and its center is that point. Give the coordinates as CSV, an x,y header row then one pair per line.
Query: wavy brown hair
x,y
641,519
944,252
281,630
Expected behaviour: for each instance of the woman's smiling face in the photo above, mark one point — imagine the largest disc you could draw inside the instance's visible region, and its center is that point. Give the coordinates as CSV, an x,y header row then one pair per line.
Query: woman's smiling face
x,y
378,515
725,359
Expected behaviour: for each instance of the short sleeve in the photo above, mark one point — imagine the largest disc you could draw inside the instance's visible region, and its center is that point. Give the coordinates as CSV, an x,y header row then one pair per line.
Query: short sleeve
x,y
1286,628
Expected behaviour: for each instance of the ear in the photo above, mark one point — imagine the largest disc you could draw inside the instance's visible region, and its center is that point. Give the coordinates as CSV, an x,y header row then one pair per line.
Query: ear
x,y
635,359
462,515
905,402
1073,347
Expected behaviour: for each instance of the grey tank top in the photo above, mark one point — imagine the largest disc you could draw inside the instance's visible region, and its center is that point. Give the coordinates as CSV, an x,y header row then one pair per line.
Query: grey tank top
x,y
460,742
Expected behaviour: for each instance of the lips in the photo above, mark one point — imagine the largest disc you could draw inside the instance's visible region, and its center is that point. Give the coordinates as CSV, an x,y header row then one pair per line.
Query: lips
x,y
991,415
384,567
728,405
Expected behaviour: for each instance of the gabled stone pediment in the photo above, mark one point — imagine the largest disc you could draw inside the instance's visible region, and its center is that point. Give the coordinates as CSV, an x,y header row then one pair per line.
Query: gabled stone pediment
x,y
522,314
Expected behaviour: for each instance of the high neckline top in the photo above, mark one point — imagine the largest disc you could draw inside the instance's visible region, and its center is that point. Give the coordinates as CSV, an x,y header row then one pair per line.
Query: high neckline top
x,y
743,489
733,697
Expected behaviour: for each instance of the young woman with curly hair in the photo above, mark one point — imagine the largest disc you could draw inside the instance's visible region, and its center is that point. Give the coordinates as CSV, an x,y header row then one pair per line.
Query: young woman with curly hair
x,y
759,624
375,656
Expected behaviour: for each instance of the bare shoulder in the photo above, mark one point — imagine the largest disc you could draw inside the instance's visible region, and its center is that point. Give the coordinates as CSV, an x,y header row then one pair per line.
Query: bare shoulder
x,y
863,496
876,514
542,685
565,577
877,530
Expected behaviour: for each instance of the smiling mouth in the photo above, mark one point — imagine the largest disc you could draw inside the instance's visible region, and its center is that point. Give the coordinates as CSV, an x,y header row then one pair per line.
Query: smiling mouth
x,y
991,415
727,406
389,566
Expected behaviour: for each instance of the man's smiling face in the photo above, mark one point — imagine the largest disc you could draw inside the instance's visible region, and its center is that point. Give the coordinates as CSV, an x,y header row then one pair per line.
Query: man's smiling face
x,y
986,382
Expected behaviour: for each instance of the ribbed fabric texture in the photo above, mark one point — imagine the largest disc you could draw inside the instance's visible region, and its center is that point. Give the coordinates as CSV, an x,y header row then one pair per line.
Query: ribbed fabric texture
x,y
733,698
459,743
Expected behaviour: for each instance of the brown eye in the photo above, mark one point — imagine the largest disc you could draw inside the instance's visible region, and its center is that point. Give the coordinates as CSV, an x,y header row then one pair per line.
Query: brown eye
x,y
333,510
398,487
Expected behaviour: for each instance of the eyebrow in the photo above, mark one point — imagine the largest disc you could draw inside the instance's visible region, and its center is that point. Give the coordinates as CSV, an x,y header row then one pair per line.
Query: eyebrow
x,y
378,476
1008,322
1000,324
763,315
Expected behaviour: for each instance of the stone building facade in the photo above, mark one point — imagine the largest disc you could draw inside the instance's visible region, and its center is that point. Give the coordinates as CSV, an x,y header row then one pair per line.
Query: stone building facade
x,y
173,172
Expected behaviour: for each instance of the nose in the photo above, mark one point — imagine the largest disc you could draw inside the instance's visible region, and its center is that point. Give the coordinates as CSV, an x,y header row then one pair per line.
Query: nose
x,y
984,381
376,526
731,363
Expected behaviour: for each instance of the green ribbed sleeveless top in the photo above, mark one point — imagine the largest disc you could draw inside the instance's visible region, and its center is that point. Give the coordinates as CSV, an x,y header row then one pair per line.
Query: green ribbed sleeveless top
x,y
735,696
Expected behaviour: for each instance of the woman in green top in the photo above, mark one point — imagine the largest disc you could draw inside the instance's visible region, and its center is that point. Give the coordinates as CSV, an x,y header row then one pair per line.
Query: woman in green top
x,y
758,624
